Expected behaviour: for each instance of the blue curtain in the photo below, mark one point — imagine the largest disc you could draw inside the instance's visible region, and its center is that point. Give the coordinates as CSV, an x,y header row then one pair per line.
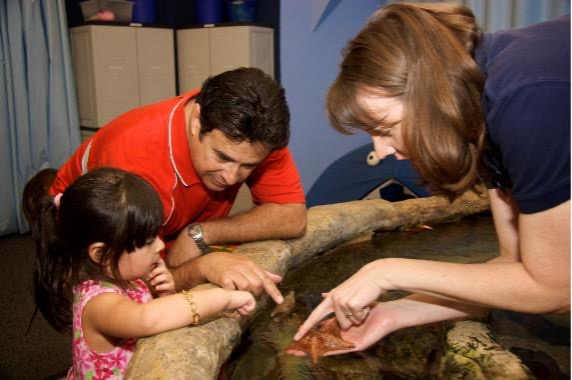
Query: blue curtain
x,y
38,109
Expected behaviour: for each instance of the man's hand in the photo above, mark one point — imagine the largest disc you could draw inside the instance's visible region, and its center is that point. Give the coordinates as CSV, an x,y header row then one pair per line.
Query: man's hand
x,y
233,271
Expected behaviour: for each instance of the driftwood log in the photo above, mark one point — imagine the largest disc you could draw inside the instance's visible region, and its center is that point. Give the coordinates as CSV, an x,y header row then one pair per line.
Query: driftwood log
x,y
199,352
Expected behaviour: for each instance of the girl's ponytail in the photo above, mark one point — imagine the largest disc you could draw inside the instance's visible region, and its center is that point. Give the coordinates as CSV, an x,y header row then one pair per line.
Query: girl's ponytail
x,y
52,268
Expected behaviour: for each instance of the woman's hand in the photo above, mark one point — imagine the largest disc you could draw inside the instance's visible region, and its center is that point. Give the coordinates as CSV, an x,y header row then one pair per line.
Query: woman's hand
x,y
387,317
380,322
162,279
350,301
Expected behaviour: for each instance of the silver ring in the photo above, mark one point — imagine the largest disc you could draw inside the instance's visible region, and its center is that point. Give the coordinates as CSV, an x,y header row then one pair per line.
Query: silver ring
x,y
348,314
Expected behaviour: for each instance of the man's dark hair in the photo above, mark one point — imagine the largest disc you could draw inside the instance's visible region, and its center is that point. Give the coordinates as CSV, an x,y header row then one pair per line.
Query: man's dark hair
x,y
246,105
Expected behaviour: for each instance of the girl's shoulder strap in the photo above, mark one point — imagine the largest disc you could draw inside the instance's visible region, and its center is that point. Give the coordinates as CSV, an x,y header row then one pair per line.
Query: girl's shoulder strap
x,y
140,293
87,290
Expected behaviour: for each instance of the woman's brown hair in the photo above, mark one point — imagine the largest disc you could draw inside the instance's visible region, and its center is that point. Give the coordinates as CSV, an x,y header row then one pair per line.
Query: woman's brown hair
x,y
421,54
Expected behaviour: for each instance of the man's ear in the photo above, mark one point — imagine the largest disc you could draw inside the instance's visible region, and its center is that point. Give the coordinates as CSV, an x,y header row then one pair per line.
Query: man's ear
x,y
196,120
95,251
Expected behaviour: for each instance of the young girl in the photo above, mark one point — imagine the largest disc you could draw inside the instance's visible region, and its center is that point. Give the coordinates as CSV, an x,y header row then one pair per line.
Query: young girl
x,y
96,245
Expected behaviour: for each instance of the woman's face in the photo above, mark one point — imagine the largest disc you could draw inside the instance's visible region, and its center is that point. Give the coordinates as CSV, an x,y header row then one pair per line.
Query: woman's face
x,y
386,141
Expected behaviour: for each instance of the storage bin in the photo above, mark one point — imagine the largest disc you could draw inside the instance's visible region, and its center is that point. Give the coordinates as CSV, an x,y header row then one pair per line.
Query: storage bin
x,y
241,10
122,9
144,11
208,11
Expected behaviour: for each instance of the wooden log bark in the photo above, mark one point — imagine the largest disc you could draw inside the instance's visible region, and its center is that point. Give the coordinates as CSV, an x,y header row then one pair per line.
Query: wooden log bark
x,y
199,352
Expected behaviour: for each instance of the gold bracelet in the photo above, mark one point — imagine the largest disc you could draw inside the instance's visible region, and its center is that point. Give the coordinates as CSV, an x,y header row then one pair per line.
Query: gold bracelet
x,y
193,306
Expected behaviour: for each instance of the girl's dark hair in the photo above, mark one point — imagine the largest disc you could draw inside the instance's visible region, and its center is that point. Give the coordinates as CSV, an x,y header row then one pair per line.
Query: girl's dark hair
x,y
421,54
105,205
246,105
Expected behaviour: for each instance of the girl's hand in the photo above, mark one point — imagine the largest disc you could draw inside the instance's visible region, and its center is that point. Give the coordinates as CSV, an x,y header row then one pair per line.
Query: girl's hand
x,y
241,301
350,301
162,279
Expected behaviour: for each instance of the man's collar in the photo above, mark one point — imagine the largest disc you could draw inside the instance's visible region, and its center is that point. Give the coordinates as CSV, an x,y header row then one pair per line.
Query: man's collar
x,y
178,142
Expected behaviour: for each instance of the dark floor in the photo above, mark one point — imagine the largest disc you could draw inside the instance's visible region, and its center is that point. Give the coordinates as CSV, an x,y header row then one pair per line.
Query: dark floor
x,y
43,353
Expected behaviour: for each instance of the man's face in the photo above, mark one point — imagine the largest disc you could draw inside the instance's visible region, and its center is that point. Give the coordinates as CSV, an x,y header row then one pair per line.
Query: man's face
x,y
219,162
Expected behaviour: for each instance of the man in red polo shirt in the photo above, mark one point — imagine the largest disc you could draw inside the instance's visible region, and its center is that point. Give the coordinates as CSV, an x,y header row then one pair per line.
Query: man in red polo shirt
x,y
196,150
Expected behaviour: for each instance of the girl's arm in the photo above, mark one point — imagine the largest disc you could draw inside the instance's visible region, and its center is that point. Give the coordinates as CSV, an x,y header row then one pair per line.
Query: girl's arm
x,y
113,315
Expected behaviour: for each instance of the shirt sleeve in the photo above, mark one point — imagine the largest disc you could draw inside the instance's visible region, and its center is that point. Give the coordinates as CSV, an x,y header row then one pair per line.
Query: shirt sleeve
x,y
69,171
276,180
532,130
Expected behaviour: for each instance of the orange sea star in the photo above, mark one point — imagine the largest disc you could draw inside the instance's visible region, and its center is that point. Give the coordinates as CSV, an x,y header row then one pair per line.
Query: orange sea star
x,y
285,307
318,342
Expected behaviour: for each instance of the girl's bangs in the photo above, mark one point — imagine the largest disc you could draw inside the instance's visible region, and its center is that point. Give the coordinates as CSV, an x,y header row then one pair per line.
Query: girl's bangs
x,y
144,215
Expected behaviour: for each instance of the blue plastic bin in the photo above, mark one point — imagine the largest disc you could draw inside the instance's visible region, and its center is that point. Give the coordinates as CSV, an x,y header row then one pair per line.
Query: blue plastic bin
x,y
208,11
241,10
144,11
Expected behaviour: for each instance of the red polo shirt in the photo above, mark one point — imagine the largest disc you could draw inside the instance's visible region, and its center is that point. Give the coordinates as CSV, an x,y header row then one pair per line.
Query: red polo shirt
x,y
151,141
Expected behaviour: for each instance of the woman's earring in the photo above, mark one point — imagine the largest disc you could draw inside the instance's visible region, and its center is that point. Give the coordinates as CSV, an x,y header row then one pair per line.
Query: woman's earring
x,y
372,159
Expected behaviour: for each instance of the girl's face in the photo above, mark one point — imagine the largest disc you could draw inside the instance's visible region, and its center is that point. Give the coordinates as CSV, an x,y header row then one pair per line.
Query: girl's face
x,y
386,141
141,261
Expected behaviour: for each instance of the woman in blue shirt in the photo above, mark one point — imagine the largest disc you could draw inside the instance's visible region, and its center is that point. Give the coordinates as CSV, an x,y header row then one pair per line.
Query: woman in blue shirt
x,y
464,107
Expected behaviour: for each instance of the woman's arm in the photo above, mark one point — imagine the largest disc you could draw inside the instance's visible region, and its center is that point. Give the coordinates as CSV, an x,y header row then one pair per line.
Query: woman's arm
x,y
505,215
538,283
414,310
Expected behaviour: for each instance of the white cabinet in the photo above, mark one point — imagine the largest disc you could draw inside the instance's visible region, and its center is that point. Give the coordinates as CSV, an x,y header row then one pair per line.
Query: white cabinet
x,y
204,52
118,68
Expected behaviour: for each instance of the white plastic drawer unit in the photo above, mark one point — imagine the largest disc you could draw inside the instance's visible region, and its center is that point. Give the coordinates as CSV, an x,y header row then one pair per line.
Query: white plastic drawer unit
x,y
203,52
156,59
118,68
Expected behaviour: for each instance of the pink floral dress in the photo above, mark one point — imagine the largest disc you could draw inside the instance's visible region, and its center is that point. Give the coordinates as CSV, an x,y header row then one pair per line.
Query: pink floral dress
x,y
88,364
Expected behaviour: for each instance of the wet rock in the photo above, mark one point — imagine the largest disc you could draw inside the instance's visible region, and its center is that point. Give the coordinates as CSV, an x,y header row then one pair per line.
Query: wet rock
x,y
471,353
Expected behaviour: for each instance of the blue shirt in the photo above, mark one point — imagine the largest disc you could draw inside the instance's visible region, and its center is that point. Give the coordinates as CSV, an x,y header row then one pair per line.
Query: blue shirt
x,y
527,111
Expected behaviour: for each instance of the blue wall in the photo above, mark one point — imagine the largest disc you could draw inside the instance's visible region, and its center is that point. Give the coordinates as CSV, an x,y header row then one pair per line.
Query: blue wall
x,y
309,63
